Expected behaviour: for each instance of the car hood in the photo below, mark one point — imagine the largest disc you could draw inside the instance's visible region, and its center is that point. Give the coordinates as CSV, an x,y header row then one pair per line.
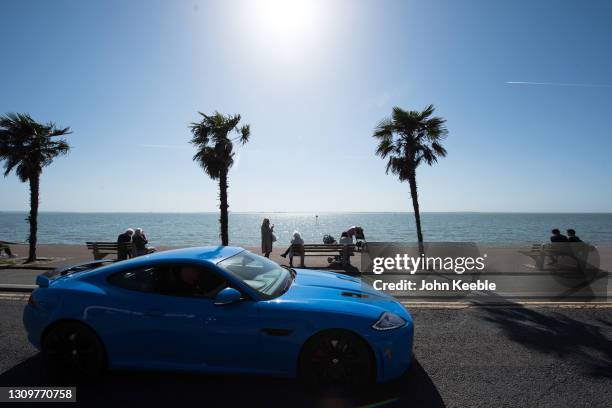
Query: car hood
x,y
333,290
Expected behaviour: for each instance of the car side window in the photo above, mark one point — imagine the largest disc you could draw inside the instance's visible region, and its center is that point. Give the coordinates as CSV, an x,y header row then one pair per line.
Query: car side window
x,y
141,279
188,280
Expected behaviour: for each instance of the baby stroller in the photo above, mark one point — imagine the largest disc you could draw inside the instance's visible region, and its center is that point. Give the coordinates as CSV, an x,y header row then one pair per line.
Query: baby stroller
x,y
343,258
328,239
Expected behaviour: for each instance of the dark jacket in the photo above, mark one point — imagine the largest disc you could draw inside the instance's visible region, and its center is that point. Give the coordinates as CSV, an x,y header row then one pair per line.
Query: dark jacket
x,y
558,238
574,239
125,237
122,253
140,242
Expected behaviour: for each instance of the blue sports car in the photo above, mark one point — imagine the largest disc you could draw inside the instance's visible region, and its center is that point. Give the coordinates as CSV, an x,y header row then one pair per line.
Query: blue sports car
x,y
217,309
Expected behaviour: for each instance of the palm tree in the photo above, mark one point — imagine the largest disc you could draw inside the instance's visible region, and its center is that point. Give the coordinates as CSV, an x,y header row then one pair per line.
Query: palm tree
x,y
407,139
27,146
216,153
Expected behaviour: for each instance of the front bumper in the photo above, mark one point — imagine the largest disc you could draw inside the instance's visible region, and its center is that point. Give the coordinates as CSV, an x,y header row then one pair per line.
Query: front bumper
x,y
393,349
34,322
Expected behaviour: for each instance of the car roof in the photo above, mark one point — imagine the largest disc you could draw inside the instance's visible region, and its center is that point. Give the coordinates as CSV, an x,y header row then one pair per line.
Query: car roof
x,y
213,254
207,254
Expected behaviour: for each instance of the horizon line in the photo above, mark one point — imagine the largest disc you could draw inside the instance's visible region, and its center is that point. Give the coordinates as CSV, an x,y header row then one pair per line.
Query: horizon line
x,y
314,212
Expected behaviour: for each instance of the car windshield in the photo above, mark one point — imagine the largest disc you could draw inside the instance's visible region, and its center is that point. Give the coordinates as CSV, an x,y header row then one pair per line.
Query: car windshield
x,y
265,276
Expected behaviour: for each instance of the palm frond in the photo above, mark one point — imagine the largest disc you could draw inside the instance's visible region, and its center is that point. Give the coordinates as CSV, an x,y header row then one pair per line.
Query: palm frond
x,y
385,147
408,138
27,146
215,149
245,133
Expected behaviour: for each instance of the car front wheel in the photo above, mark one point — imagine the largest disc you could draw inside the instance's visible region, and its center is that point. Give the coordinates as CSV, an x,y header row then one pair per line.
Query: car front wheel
x,y
337,356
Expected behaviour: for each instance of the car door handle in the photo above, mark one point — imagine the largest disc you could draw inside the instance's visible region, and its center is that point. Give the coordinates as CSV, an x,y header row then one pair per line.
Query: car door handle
x,y
154,312
277,332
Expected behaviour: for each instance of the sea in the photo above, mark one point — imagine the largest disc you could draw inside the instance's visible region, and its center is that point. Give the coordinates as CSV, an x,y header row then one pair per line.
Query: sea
x,y
192,229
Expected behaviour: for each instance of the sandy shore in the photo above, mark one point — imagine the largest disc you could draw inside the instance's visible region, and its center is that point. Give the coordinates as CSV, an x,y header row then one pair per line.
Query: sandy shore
x,y
513,273
71,254
499,259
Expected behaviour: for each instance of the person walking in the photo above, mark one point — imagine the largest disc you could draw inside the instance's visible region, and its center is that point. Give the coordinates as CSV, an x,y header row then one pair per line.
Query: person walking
x,y
267,237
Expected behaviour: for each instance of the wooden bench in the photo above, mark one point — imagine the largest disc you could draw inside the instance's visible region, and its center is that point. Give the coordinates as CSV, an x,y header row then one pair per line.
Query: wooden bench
x,y
578,251
332,251
102,249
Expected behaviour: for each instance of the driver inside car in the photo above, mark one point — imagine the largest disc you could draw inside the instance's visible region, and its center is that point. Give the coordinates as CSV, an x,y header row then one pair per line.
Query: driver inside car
x,y
194,281
188,282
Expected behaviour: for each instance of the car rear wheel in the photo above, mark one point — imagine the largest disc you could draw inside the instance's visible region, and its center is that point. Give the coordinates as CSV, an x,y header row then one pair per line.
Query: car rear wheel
x,y
337,357
73,349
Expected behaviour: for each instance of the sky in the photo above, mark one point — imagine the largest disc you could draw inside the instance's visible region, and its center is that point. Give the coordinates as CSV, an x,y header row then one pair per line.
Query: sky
x,y
525,87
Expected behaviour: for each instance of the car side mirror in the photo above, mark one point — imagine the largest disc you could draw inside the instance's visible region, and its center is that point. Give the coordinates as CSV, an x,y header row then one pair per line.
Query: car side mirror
x,y
228,296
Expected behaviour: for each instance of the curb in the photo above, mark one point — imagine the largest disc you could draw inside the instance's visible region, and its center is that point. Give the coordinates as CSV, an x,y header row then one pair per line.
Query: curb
x,y
31,268
505,305
16,288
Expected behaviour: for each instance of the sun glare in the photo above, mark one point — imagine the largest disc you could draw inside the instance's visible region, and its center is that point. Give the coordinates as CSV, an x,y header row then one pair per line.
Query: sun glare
x,y
286,24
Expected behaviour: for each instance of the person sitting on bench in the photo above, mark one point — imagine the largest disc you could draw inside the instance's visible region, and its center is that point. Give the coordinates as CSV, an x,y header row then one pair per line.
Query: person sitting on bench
x,y
572,237
126,237
557,236
296,240
7,249
140,242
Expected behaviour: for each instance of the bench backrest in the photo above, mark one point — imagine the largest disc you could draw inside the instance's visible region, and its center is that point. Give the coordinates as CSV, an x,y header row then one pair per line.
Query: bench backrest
x,y
109,246
320,247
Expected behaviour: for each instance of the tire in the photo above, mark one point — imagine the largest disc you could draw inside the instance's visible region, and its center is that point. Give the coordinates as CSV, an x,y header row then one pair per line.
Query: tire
x,y
71,349
336,357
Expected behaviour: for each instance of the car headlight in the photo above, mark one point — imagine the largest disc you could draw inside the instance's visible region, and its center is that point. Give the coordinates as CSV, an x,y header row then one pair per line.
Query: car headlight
x,y
388,321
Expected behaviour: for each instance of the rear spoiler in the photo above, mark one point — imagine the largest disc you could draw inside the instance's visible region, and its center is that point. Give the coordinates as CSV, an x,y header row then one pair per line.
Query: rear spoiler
x,y
44,279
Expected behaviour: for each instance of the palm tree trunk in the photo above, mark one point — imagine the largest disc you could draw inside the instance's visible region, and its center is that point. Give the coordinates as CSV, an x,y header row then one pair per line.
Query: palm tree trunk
x,y
223,206
417,214
33,218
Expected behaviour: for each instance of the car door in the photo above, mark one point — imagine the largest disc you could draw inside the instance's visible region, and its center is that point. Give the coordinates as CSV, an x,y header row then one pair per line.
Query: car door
x,y
144,328
167,326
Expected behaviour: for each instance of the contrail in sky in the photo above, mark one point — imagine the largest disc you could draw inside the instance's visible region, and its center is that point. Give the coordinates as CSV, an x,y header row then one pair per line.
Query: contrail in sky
x,y
164,146
559,84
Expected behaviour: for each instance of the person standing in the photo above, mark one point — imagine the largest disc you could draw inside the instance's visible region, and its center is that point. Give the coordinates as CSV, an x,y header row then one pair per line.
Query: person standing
x,y
267,237
122,251
346,239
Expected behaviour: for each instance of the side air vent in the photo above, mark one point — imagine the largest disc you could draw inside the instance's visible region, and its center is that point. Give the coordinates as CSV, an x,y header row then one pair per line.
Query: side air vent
x,y
348,278
354,295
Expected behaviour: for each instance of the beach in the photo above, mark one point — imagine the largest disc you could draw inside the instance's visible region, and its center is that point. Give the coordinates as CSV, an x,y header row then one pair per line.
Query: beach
x,y
505,258
513,273
61,254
